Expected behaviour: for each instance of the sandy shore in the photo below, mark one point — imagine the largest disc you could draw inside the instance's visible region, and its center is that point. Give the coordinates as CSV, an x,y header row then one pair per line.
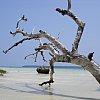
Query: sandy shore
x,y
22,84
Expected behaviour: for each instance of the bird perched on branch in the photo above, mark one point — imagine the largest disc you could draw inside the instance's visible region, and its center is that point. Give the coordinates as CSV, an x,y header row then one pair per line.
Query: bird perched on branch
x,y
90,55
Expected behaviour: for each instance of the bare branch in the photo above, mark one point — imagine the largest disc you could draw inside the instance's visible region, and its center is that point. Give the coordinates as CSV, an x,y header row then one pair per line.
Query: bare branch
x,y
51,73
36,56
22,18
55,48
78,22
51,54
36,53
16,44
55,42
29,55
19,31
79,31
43,56
70,14
33,55
69,5
43,46
43,35
77,39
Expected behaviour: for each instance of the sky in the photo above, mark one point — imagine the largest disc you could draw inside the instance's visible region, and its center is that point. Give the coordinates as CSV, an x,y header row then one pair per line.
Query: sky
x,y
41,15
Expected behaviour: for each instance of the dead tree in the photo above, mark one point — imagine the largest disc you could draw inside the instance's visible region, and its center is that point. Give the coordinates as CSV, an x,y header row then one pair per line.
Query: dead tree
x,y
66,56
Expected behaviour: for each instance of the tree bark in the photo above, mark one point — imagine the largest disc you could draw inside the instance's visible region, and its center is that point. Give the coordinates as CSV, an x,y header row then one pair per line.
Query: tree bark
x,y
90,66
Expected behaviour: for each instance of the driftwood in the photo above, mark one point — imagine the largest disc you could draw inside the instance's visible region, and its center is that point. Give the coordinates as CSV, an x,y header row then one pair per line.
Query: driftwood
x,y
66,56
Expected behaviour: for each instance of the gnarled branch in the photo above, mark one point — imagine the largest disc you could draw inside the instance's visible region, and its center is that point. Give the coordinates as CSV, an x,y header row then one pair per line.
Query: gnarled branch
x,y
66,56
16,44
78,22
70,14
77,39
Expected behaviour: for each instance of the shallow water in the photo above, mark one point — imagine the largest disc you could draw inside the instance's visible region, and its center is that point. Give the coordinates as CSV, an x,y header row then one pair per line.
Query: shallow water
x,y
70,84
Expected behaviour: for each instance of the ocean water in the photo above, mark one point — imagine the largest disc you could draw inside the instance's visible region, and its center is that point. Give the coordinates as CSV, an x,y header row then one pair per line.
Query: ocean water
x,y
70,83
63,74
58,70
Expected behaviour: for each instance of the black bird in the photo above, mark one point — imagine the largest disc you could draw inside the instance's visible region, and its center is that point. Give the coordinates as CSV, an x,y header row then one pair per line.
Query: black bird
x,y
90,55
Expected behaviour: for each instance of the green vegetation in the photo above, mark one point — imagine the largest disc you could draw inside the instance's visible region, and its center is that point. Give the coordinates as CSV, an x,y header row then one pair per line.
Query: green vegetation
x,y
2,72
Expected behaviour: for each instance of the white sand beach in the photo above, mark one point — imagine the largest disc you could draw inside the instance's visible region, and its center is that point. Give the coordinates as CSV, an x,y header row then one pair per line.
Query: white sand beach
x,y
22,84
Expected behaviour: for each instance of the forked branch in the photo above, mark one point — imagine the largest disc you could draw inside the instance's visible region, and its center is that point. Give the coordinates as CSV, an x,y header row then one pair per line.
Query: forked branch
x,y
22,18
78,22
36,53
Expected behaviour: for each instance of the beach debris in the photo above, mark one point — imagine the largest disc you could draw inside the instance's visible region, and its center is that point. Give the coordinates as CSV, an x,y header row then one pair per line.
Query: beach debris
x,y
43,70
47,82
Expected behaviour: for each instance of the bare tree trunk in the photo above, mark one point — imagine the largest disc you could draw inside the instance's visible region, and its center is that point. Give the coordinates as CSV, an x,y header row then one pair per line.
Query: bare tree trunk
x,y
90,66
55,46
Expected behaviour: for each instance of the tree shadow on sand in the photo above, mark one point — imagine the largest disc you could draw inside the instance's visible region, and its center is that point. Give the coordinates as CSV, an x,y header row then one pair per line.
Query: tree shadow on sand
x,y
45,91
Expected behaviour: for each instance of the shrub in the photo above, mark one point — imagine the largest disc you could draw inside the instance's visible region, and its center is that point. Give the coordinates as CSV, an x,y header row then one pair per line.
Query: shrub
x,y
2,72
